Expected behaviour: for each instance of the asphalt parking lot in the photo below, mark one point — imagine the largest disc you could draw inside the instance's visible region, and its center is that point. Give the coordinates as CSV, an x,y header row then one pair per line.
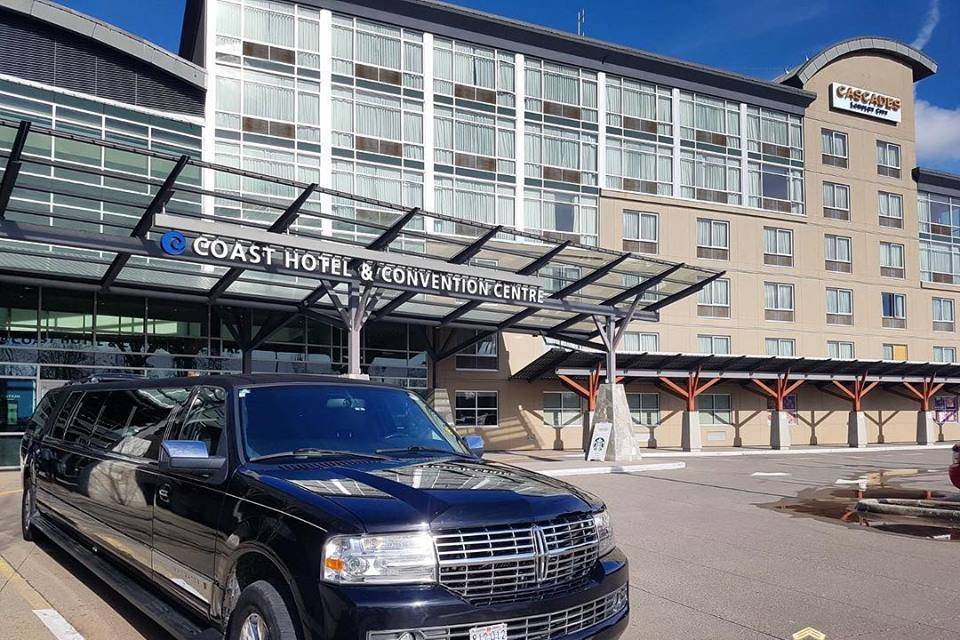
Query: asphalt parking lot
x,y
711,557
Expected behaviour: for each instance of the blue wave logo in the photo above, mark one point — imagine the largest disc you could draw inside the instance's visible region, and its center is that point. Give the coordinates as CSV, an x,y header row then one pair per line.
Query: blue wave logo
x,y
173,243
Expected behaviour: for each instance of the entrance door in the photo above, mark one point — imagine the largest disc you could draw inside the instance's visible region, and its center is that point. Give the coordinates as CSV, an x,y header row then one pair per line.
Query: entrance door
x,y
18,397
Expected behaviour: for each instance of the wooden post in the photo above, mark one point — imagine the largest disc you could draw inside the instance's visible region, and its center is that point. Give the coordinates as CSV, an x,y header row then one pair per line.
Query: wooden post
x,y
859,390
589,393
924,395
692,390
783,389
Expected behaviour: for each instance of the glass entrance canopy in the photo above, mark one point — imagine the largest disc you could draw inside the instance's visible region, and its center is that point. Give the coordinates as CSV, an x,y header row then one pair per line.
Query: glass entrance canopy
x,y
112,215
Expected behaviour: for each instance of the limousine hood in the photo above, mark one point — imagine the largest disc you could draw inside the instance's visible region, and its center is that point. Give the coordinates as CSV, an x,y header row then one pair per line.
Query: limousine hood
x,y
444,492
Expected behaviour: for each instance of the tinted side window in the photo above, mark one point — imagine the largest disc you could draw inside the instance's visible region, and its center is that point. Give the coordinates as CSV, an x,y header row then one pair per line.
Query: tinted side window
x,y
206,419
42,413
84,421
60,425
155,410
112,423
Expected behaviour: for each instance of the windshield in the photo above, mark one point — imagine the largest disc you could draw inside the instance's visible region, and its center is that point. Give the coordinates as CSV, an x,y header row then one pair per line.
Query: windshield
x,y
336,417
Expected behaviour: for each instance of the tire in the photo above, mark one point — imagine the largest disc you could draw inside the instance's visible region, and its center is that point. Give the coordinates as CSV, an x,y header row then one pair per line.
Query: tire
x,y
28,510
261,607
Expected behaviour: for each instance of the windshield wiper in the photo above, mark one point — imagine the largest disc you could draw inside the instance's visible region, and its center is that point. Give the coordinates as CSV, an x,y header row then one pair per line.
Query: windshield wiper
x,y
421,449
311,451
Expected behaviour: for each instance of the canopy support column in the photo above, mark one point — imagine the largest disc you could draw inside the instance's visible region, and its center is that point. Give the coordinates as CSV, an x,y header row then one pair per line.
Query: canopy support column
x,y
690,439
779,418
856,421
926,423
360,304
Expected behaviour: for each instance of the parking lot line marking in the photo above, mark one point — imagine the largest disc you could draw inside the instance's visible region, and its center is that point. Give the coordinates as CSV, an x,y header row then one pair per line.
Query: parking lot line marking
x,y
593,471
57,624
765,474
10,493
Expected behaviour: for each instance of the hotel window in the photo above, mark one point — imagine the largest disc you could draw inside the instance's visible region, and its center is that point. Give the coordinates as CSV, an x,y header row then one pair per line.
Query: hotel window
x,y
713,301
377,53
891,210
834,145
836,201
784,347
778,247
943,314
559,90
891,260
640,232
638,106
476,409
714,345
775,188
895,352
469,72
841,350
838,253
774,133
888,159
561,215
481,356
839,306
562,409
393,184
709,120
474,140
641,167
559,154
939,238
715,409
473,200
556,277
377,123
713,239
709,177
778,301
894,310
644,408
636,342
944,354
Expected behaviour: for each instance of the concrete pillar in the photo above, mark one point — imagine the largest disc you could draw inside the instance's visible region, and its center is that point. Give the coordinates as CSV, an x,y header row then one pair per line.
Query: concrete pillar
x,y
612,407
588,421
439,399
926,427
690,439
779,430
857,429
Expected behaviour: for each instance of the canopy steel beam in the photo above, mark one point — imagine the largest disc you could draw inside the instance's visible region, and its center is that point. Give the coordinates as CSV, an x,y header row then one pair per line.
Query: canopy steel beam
x,y
590,278
384,239
680,295
280,225
14,164
460,258
160,200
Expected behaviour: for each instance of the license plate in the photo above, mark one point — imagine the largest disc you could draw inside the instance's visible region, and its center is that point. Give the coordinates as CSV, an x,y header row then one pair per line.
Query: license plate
x,y
490,632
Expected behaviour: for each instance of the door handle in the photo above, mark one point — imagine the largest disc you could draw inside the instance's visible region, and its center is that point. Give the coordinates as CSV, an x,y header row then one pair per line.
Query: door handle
x,y
164,493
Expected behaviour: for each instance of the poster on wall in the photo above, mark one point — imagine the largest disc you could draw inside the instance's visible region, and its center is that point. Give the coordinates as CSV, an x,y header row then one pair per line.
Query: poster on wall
x,y
945,409
600,441
789,406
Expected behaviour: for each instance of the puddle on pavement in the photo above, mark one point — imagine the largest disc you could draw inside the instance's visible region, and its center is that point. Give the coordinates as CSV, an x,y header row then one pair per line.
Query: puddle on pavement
x,y
837,504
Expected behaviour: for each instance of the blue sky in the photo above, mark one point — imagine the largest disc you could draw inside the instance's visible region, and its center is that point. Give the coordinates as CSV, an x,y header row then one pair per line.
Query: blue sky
x,y
755,37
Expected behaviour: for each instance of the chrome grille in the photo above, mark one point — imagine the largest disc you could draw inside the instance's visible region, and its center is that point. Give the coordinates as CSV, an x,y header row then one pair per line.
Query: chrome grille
x,y
513,563
557,624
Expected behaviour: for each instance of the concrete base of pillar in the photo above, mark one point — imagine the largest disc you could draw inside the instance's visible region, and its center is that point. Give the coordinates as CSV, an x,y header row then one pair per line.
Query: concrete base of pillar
x,y
926,427
690,439
612,407
857,429
779,430
439,399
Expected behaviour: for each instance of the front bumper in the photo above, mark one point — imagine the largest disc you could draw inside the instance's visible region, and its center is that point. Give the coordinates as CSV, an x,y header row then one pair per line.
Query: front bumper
x,y
598,611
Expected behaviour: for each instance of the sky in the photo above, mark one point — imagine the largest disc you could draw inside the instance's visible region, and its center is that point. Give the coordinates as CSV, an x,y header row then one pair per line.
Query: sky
x,y
759,38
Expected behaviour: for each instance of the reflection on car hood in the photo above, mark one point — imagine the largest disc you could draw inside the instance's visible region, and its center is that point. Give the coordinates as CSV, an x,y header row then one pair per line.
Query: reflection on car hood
x,y
444,492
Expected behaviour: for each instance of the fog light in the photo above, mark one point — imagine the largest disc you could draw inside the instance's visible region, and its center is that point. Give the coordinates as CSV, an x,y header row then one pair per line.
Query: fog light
x,y
621,600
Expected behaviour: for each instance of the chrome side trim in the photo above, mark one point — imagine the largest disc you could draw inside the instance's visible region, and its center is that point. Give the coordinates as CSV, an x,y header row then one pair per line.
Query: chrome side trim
x,y
196,584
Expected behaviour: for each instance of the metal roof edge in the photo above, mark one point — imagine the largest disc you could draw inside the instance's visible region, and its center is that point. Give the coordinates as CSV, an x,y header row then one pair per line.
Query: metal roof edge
x,y
109,35
923,65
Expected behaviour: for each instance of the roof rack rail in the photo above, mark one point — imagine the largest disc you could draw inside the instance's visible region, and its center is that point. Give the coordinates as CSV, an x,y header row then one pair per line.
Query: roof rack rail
x,y
105,377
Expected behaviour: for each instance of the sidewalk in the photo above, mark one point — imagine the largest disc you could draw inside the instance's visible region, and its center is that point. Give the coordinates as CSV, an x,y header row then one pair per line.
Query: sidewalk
x,y
572,463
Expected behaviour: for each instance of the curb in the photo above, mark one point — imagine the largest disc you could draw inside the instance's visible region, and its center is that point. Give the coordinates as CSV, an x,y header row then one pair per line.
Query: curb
x,y
596,471
787,452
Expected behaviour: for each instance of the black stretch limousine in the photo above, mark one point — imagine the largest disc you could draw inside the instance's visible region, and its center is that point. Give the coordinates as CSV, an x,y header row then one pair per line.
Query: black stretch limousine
x,y
313,508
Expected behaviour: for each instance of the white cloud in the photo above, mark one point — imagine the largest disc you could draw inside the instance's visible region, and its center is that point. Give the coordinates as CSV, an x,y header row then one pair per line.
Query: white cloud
x,y
929,24
938,133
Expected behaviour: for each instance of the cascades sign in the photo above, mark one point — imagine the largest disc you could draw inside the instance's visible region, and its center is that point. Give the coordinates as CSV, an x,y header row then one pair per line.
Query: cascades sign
x,y
320,264
867,103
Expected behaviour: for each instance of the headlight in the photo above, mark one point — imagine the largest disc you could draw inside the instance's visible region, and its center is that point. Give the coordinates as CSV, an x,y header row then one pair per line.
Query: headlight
x,y
604,532
385,559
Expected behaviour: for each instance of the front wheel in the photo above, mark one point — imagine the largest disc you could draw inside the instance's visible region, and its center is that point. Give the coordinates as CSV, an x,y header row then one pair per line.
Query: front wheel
x,y
261,614
28,510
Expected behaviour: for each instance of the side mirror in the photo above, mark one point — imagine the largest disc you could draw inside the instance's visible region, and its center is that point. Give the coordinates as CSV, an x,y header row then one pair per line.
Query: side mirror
x,y
475,444
188,456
